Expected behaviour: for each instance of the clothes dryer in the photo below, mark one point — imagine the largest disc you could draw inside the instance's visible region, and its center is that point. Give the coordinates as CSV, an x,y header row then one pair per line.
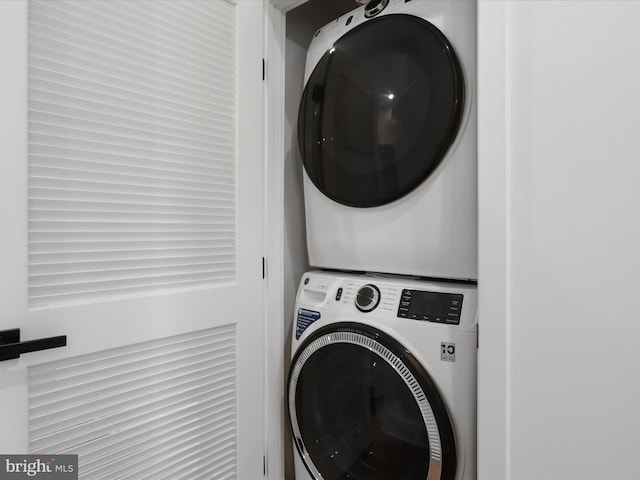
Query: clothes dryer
x,y
382,384
387,134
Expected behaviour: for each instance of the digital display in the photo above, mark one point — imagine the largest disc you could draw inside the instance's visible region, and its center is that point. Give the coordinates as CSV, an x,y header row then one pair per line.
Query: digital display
x,y
431,306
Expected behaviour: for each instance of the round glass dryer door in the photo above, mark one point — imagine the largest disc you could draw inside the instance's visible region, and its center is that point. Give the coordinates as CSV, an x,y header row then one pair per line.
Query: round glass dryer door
x,y
380,110
362,408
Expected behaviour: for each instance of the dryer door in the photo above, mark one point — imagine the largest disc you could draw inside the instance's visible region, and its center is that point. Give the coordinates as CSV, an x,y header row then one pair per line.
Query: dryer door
x,y
380,110
361,407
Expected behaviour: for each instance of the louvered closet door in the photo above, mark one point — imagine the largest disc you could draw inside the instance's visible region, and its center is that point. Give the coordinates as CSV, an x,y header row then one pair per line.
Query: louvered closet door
x,y
131,202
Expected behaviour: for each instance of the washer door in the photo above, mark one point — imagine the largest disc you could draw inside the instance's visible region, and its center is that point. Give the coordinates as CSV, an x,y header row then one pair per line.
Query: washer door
x,y
361,407
380,110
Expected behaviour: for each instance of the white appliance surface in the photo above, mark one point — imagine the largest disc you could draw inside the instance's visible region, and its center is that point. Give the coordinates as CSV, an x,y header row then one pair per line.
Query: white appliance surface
x,y
432,230
327,299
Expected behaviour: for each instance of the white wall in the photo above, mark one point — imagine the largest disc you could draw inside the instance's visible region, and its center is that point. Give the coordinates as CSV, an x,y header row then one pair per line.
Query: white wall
x,y
559,240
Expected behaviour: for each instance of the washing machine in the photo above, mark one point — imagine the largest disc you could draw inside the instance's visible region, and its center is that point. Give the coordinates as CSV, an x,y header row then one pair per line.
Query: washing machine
x,y
387,135
382,383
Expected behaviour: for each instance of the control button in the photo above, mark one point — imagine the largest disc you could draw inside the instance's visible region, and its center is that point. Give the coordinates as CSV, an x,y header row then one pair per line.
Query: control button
x,y
374,7
339,294
367,298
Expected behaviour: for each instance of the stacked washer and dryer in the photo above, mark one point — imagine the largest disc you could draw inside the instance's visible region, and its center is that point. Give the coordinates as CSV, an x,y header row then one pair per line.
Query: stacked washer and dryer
x,y
382,383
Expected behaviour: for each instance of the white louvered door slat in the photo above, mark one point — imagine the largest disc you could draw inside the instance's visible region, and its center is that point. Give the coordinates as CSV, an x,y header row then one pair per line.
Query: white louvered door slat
x,y
132,205
82,55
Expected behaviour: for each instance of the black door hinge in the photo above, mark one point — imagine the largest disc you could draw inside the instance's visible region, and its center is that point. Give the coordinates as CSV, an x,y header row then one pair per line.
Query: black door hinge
x,y
264,267
264,69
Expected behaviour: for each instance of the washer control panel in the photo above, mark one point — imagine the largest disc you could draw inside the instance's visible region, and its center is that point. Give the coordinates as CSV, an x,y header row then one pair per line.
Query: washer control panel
x,y
385,297
413,304
431,306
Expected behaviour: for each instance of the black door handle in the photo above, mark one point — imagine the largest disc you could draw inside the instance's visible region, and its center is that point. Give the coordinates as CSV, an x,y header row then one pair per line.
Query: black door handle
x,y
11,347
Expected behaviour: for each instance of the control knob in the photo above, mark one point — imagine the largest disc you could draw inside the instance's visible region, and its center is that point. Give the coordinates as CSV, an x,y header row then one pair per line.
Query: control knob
x,y
367,298
374,7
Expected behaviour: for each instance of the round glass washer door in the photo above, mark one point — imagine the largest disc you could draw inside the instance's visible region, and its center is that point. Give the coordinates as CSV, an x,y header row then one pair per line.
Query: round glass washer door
x,y
362,408
380,110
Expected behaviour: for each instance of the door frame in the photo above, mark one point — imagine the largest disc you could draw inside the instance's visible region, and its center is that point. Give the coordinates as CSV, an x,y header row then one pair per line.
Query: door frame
x,y
275,152
274,41
494,240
